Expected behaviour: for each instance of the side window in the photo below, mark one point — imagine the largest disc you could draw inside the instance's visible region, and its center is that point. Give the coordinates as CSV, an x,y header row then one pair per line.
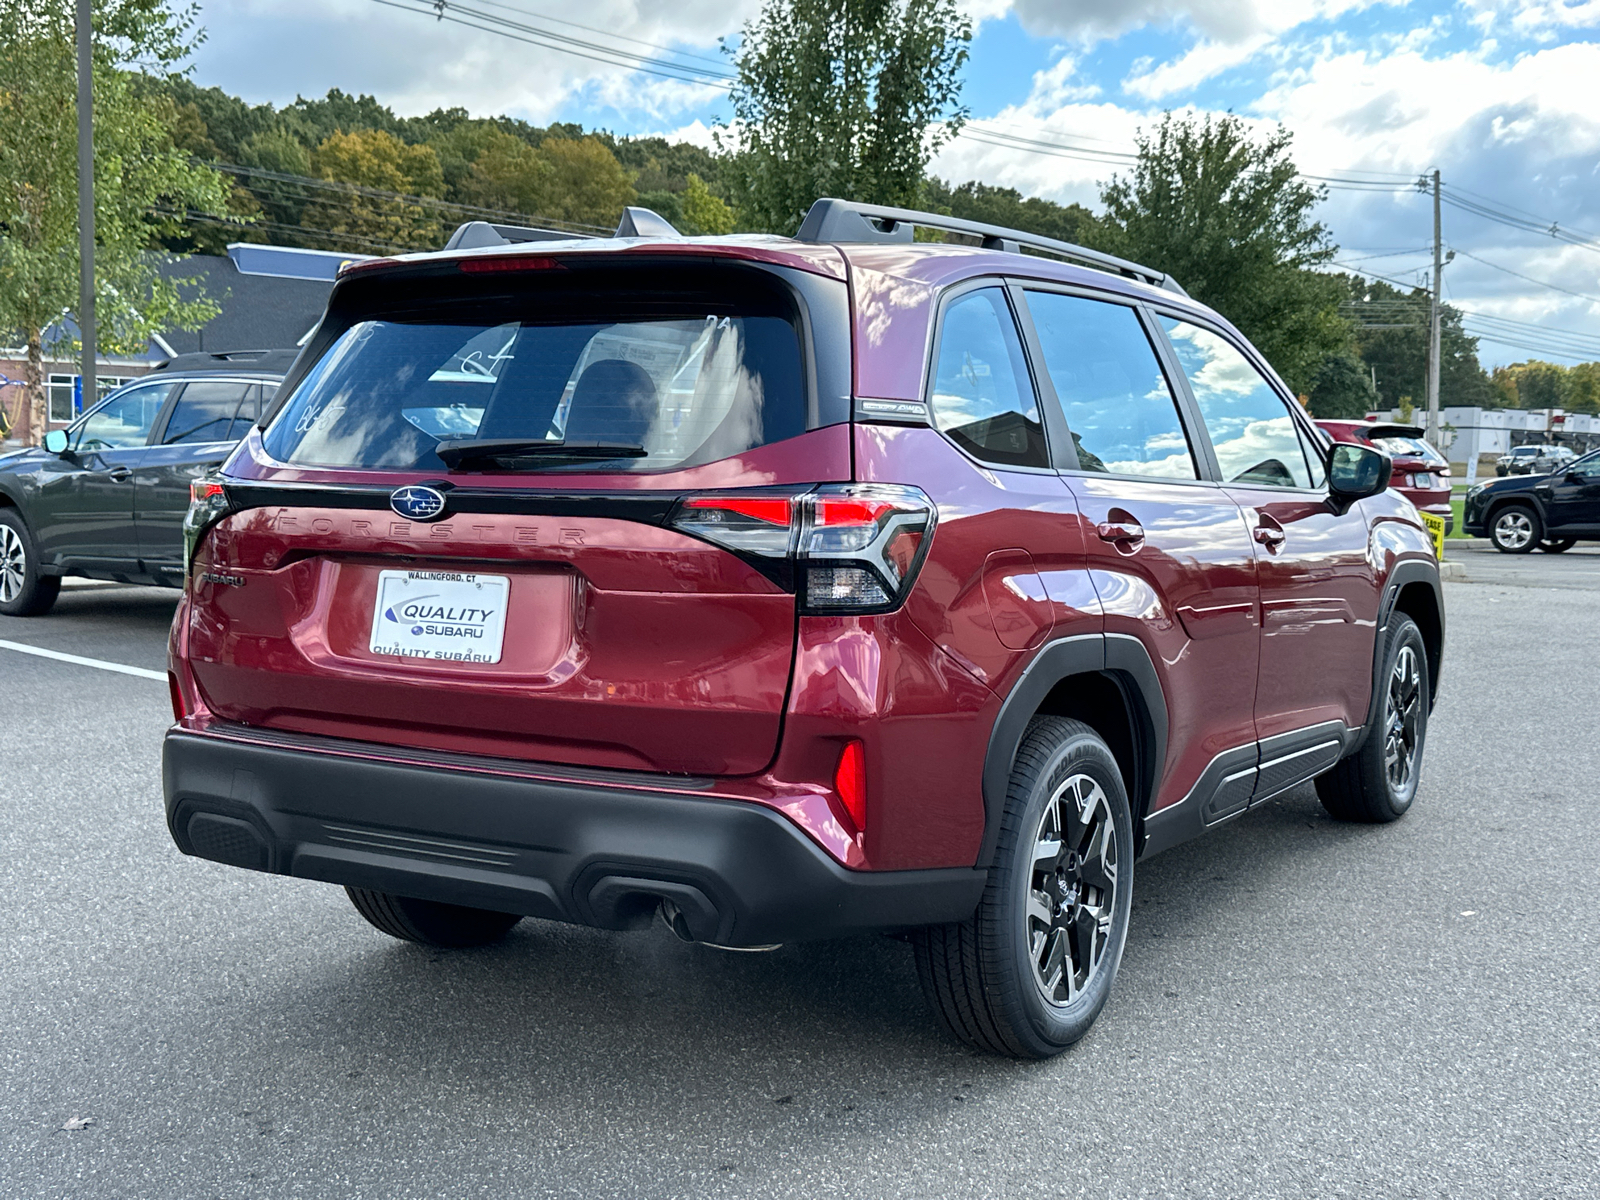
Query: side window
x,y
1118,406
205,412
1251,430
1314,459
249,411
982,393
123,422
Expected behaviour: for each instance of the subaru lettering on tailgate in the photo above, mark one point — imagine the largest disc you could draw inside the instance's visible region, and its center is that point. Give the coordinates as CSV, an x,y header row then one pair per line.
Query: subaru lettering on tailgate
x,y
442,615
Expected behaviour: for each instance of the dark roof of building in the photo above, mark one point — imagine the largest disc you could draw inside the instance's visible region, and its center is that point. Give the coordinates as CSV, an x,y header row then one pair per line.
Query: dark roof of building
x,y
259,312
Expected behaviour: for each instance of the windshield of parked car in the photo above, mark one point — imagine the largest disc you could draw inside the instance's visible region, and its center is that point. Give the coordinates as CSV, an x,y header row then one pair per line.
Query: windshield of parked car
x,y
688,389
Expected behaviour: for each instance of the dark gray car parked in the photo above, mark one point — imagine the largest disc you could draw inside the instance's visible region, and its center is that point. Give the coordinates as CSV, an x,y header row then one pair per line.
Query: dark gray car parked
x,y
105,498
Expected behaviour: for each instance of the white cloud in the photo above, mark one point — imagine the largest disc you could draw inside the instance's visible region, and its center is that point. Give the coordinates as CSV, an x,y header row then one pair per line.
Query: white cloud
x,y
1227,21
1058,84
1535,16
274,50
1525,132
1195,66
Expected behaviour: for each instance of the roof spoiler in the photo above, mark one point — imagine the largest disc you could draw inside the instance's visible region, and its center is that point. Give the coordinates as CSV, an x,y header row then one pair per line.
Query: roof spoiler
x,y
846,221
636,222
258,360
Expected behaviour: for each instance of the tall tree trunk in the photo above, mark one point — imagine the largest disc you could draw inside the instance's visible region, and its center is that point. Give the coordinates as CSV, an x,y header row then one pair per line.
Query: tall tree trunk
x,y
31,419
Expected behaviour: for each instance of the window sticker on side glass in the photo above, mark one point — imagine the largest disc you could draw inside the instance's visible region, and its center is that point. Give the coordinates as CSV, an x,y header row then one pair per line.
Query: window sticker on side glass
x,y
445,616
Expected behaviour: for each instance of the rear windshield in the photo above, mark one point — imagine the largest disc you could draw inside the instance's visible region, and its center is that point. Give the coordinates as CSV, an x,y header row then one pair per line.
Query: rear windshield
x,y
686,387
1410,447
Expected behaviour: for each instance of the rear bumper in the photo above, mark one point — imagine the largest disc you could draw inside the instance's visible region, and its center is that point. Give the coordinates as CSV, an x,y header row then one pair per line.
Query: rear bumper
x,y
603,856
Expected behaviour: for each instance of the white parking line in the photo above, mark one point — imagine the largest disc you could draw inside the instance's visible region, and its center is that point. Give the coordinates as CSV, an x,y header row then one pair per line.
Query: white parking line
x,y
140,672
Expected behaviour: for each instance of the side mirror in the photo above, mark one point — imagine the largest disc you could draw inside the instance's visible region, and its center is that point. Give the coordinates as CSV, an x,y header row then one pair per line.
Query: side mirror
x,y
56,441
1356,472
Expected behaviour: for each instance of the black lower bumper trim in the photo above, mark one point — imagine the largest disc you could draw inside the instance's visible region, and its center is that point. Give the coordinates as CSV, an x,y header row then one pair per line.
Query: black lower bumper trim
x,y
737,873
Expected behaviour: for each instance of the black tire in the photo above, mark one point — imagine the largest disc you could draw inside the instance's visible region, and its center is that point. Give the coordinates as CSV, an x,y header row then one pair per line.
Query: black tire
x,y
1367,786
23,591
430,923
1557,545
1515,529
982,976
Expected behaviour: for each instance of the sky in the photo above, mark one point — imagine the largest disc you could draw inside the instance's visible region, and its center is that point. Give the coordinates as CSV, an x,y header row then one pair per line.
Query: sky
x,y
1502,97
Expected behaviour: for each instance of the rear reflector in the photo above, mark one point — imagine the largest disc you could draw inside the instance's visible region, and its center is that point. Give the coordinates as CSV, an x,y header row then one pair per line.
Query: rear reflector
x,y
850,783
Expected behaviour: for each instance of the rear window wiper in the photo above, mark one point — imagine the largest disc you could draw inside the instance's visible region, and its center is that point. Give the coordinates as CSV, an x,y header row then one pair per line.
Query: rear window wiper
x,y
454,453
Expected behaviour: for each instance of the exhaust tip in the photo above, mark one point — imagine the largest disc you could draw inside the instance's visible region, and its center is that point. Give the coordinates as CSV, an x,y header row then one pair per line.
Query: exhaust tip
x,y
672,917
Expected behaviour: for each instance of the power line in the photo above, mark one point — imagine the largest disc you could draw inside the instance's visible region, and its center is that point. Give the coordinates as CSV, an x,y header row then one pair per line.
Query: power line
x,y
1529,278
1539,226
549,39
716,62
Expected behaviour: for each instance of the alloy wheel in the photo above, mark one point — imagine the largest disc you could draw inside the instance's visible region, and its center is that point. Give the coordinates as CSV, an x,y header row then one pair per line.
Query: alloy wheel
x,y
1072,890
1513,529
1402,721
13,565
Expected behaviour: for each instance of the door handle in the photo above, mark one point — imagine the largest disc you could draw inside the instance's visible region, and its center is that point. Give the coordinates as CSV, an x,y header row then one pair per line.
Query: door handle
x,y
119,474
1269,537
1120,531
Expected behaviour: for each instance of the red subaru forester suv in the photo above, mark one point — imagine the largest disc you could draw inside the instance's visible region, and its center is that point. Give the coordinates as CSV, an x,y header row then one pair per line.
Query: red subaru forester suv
x,y
783,588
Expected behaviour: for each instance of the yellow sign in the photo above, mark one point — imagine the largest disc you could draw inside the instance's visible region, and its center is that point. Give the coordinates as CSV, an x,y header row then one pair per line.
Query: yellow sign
x,y
1435,526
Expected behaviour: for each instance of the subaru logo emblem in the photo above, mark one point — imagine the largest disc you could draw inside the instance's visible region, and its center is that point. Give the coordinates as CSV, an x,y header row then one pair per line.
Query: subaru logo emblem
x,y
416,503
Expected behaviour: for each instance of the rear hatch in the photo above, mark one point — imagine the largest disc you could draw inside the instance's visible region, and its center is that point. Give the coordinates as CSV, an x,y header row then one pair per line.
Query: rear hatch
x,y
470,525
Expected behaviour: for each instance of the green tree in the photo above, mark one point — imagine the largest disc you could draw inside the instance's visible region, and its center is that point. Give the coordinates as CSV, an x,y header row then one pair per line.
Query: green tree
x,y
1533,384
844,98
1342,388
506,174
383,216
1582,391
974,201
704,213
1230,219
143,183
586,185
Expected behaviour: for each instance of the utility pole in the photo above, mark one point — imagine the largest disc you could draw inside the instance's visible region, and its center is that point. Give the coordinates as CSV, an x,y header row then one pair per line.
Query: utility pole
x,y
86,198
1433,322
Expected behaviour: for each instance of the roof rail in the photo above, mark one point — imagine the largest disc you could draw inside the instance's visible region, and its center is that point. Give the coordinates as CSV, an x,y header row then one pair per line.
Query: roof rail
x,y
846,221
636,222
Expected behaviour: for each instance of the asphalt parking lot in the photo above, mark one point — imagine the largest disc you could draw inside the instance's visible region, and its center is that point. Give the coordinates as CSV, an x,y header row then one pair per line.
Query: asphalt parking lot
x,y
1305,1008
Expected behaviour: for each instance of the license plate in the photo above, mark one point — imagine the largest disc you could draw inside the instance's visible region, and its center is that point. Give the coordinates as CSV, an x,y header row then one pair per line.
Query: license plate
x,y
443,615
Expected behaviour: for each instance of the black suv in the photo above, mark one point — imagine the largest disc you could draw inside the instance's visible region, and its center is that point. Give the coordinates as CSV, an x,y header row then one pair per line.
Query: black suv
x,y
1551,512
105,498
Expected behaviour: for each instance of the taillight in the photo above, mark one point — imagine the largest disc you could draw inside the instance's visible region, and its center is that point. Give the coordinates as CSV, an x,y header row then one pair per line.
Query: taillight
x,y
759,525
844,548
850,784
208,504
